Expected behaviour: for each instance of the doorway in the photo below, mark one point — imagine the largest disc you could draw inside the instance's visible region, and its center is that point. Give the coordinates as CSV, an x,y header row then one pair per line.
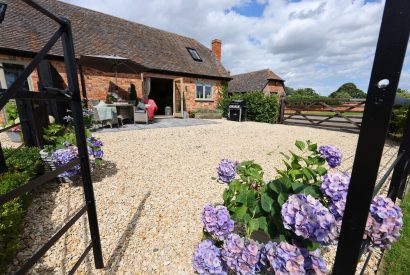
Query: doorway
x,y
162,93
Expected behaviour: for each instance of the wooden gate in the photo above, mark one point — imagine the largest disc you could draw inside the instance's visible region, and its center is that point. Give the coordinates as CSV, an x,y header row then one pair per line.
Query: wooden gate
x,y
336,113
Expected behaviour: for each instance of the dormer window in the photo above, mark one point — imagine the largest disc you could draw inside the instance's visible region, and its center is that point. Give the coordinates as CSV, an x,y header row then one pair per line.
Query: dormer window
x,y
194,54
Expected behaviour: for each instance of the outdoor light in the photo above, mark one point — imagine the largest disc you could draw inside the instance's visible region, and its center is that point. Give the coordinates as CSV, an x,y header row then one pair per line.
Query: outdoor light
x,y
3,8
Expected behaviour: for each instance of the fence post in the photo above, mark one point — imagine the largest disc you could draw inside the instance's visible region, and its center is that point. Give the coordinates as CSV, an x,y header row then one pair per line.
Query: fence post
x,y
385,76
401,171
72,76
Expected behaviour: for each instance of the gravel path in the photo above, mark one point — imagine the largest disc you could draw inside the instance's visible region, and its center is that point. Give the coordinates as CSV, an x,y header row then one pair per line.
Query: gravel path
x,y
151,191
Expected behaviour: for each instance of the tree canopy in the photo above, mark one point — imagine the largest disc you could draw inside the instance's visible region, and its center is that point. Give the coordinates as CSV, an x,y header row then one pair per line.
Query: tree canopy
x,y
348,90
302,92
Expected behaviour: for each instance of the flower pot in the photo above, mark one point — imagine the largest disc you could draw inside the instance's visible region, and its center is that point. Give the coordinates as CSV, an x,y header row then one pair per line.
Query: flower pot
x,y
49,164
14,136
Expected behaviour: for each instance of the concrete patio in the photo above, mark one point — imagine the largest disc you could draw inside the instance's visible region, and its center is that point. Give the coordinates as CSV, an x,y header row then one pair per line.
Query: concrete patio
x,y
160,123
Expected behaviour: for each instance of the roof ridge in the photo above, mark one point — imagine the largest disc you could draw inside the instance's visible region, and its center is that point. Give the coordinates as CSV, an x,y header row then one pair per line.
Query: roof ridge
x,y
258,71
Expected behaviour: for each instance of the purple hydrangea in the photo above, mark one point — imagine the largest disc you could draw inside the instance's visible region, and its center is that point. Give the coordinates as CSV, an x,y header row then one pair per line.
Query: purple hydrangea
x,y
384,222
337,209
264,264
309,219
98,154
332,155
335,186
95,142
227,170
207,259
314,263
285,258
241,255
62,157
90,151
217,221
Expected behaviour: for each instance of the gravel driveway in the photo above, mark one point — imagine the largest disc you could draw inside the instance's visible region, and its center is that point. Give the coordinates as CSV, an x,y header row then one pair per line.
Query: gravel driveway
x,y
151,191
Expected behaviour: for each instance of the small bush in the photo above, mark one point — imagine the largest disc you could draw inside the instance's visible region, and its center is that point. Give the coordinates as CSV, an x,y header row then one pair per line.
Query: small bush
x,y
398,121
260,107
12,216
26,159
11,112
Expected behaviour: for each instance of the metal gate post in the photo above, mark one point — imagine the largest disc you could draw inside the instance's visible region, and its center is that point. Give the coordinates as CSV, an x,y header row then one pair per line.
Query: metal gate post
x,y
71,68
400,173
387,66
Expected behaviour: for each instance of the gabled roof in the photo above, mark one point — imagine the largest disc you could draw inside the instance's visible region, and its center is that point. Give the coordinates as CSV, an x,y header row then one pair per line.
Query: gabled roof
x,y
252,81
95,33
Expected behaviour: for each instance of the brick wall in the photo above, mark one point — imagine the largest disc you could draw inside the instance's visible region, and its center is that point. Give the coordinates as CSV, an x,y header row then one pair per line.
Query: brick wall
x,y
274,87
99,83
190,94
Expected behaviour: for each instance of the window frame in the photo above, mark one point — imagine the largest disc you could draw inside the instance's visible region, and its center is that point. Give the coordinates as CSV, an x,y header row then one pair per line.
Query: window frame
x,y
194,52
3,82
204,85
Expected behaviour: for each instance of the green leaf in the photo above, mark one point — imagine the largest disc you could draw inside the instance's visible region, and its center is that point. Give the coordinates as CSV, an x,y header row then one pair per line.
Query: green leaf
x,y
298,187
321,170
300,145
253,225
242,197
312,147
280,185
263,223
307,174
282,198
240,212
266,202
286,156
251,200
314,191
246,218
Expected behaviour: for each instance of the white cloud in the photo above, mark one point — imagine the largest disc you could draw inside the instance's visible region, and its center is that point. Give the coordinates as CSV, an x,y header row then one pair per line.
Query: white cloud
x,y
311,43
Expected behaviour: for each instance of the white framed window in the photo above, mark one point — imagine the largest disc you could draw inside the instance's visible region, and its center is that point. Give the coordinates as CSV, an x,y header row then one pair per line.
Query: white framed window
x,y
203,91
9,71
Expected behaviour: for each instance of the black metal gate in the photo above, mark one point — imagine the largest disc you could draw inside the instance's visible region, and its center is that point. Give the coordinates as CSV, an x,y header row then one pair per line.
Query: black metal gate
x,y
24,99
387,66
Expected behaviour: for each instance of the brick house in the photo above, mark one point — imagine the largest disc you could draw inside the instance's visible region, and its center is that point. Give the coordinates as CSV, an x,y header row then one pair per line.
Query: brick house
x,y
263,80
177,66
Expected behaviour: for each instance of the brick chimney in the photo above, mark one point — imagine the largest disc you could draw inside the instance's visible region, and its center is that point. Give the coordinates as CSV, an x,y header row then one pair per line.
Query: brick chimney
x,y
217,48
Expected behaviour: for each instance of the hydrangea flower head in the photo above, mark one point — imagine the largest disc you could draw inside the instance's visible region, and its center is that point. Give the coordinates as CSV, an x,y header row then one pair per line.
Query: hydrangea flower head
x,y
227,170
314,263
332,155
207,259
286,258
384,222
62,157
308,218
241,255
217,221
335,186
98,154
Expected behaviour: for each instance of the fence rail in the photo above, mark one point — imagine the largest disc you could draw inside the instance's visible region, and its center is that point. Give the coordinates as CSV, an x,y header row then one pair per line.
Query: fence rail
x,y
323,112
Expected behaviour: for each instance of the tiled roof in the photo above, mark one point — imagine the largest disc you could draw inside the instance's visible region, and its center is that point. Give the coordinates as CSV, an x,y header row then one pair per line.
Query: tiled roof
x,y
252,81
95,33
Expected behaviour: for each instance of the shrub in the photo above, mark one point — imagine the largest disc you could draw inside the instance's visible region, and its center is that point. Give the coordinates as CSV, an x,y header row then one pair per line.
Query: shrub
x,y
398,121
26,159
11,112
260,107
12,216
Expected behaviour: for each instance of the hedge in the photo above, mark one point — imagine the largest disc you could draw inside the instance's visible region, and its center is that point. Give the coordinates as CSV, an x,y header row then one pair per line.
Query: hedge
x,y
23,164
260,107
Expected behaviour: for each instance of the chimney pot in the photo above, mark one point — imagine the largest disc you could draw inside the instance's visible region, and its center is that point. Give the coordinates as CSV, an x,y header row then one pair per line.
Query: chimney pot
x,y
217,48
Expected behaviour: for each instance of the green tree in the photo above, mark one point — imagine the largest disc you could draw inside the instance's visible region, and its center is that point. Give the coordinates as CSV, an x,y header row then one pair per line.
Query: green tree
x,y
305,92
289,91
348,89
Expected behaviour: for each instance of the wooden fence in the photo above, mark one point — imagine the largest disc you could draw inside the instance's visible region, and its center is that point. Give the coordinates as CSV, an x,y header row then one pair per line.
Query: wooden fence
x,y
336,113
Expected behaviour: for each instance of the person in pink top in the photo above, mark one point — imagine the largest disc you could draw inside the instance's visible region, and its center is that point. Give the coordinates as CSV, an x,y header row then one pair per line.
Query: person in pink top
x,y
151,108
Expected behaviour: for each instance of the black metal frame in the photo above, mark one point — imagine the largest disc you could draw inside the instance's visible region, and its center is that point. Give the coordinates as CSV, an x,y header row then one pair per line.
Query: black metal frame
x,y
388,63
15,91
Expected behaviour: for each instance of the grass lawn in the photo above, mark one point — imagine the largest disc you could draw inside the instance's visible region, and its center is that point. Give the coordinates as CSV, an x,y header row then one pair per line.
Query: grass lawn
x,y
397,260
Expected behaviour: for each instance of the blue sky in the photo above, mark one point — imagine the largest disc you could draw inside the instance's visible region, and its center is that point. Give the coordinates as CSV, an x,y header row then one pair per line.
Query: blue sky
x,y
310,43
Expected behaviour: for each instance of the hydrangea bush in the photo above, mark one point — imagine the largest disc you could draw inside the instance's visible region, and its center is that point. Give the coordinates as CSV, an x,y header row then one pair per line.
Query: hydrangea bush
x,y
278,226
